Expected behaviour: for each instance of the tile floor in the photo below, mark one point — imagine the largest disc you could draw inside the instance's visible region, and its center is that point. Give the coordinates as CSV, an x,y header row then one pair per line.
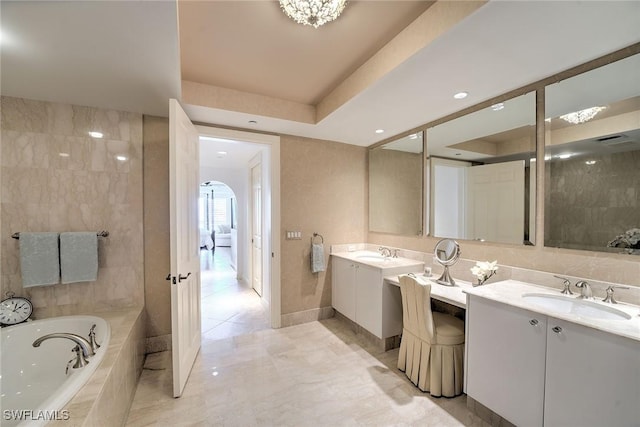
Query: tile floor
x,y
315,374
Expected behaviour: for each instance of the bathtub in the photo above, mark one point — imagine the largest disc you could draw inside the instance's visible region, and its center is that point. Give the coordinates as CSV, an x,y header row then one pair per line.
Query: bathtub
x,y
34,387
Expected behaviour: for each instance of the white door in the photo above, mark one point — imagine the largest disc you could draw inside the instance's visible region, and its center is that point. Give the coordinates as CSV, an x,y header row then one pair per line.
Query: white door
x,y
495,202
184,168
256,229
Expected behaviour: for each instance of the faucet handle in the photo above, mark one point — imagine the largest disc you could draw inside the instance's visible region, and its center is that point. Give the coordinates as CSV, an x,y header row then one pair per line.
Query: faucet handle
x,y
609,298
567,283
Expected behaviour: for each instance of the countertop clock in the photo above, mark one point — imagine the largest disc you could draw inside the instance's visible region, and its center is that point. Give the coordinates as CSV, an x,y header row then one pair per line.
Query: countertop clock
x,y
14,310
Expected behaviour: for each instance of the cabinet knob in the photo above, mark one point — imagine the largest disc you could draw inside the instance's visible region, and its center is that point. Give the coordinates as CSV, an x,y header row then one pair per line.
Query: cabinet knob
x,y
533,322
556,329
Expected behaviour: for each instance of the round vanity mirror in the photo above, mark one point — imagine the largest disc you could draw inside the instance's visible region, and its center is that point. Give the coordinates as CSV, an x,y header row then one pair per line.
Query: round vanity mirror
x,y
446,252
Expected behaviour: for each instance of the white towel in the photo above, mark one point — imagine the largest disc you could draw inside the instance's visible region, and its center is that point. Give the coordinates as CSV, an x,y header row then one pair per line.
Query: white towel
x,y
79,257
39,259
317,258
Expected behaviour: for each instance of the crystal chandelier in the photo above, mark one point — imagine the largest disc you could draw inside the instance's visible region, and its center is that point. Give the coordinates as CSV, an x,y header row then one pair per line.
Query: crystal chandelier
x,y
313,12
582,116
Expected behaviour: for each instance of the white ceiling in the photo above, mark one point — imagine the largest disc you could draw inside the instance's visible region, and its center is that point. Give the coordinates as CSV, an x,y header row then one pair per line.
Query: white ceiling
x,y
124,55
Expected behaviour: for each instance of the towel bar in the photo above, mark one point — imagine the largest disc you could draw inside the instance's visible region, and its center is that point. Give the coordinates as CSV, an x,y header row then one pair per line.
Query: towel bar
x,y
103,233
317,235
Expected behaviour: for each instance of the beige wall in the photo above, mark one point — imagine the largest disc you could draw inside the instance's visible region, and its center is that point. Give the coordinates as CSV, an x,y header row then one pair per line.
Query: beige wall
x,y
323,190
157,261
88,190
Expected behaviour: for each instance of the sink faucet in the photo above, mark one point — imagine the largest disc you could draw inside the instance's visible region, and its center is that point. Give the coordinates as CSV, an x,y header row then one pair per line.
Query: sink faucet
x,y
384,251
82,343
585,289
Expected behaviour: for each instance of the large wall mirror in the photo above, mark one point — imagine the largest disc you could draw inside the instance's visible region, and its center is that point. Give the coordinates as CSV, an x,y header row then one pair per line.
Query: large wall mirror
x,y
482,174
592,160
395,186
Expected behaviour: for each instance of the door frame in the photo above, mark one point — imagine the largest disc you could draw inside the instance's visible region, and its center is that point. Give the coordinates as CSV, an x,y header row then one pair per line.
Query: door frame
x,y
271,189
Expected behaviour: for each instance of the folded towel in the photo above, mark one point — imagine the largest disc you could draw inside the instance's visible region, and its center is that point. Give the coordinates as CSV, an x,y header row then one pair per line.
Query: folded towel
x,y
39,259
79,257
317,258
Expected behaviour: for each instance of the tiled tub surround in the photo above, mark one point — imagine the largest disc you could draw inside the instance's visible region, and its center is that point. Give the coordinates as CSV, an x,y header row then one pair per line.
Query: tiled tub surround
x,y
105,399
55,177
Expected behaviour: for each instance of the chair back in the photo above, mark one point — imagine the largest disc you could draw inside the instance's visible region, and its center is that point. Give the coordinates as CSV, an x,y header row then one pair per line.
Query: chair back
x,y
416,308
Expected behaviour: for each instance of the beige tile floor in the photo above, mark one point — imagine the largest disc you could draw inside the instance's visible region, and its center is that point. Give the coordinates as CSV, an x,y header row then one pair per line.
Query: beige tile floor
x,y
315,374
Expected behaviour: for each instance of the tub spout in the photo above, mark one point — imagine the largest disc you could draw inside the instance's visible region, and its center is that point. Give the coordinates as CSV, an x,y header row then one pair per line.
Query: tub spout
x,y
82,343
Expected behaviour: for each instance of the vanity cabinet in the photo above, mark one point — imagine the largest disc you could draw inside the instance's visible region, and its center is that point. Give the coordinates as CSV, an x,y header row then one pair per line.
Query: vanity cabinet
x,y
537,370
592,377
506,360
358,291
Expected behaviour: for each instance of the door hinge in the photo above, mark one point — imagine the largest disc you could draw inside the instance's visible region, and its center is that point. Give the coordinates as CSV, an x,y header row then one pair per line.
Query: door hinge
x,y
171,278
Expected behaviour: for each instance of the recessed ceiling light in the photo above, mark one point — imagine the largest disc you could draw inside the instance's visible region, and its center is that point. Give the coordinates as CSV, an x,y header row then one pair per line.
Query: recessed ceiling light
x,y
590,162
63,154
96,134
413,136
122,158
221,154
458,154
497,107
564,156
461,95
253,122
379,130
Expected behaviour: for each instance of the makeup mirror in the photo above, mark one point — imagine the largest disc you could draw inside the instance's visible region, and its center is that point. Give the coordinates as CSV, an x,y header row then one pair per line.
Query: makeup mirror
x,y
446,253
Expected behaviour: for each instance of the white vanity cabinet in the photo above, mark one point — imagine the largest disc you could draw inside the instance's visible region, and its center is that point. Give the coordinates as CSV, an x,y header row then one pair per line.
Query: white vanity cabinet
x,y
536,370
592,377
359,292
343,287
505,356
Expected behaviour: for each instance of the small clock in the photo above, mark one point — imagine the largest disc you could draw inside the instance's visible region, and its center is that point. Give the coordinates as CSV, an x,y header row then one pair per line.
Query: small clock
x,y
14,310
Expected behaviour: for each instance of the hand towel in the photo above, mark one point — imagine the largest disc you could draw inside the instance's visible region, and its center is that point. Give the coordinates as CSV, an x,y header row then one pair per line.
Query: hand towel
x,y
317,258
79,257
39,259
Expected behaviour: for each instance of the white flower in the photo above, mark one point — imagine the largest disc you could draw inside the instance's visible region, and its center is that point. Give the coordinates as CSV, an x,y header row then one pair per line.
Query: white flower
x,y
483,270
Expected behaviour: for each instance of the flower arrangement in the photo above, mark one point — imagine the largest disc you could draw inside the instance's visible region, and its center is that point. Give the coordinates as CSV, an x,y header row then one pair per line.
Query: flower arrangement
x,y
483,270
630,239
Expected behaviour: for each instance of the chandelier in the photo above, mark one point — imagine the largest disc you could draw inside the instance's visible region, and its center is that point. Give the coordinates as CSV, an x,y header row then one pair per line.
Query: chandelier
x,y
313,12
582,116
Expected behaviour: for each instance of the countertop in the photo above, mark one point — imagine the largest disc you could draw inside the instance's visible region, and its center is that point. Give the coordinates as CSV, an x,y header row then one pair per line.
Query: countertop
x,y
388,262
510,292
453,295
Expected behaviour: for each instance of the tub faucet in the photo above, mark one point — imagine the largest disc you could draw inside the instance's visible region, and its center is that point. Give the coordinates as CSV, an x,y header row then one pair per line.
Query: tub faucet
x,y
83,345
92,339
585,289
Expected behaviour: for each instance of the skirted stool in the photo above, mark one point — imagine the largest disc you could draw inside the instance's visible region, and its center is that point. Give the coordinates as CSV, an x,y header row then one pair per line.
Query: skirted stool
x,y
432,346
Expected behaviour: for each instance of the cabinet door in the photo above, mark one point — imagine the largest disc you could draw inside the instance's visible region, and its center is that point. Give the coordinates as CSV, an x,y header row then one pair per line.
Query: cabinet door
x,y
506,360
343,290
592,378
369,299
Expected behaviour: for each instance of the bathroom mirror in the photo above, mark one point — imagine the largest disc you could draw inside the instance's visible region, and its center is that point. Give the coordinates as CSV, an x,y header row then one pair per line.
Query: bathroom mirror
x,y
446,253
395,186
483,175
592,160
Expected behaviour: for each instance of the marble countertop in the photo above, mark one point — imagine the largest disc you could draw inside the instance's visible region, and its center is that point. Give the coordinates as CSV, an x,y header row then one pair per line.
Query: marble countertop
x,y
368,258
510,292
453,295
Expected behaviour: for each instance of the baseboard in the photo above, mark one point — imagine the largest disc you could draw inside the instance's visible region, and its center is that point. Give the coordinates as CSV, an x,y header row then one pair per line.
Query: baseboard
x,y
299,317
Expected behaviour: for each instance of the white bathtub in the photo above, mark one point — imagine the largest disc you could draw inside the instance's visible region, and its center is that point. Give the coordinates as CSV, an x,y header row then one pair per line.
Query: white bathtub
x,y
34,386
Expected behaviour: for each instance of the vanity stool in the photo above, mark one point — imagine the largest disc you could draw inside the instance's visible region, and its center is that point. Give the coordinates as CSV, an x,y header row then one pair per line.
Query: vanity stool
x,y
432,346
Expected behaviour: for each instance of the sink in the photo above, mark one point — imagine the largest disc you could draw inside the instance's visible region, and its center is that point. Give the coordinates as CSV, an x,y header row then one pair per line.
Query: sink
x,y
578,307
371,257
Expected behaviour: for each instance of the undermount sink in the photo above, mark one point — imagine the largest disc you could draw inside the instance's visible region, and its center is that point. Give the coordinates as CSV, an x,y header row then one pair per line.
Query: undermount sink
x,y
372,257
578,307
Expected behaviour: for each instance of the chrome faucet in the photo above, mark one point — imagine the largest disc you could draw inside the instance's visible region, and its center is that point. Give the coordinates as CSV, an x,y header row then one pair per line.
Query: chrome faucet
x,y
609,298
82,343
585,289
567,283
92,339
384,251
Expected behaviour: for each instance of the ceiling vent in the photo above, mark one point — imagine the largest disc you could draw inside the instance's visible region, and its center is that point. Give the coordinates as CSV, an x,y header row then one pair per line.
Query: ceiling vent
x,y
613,139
